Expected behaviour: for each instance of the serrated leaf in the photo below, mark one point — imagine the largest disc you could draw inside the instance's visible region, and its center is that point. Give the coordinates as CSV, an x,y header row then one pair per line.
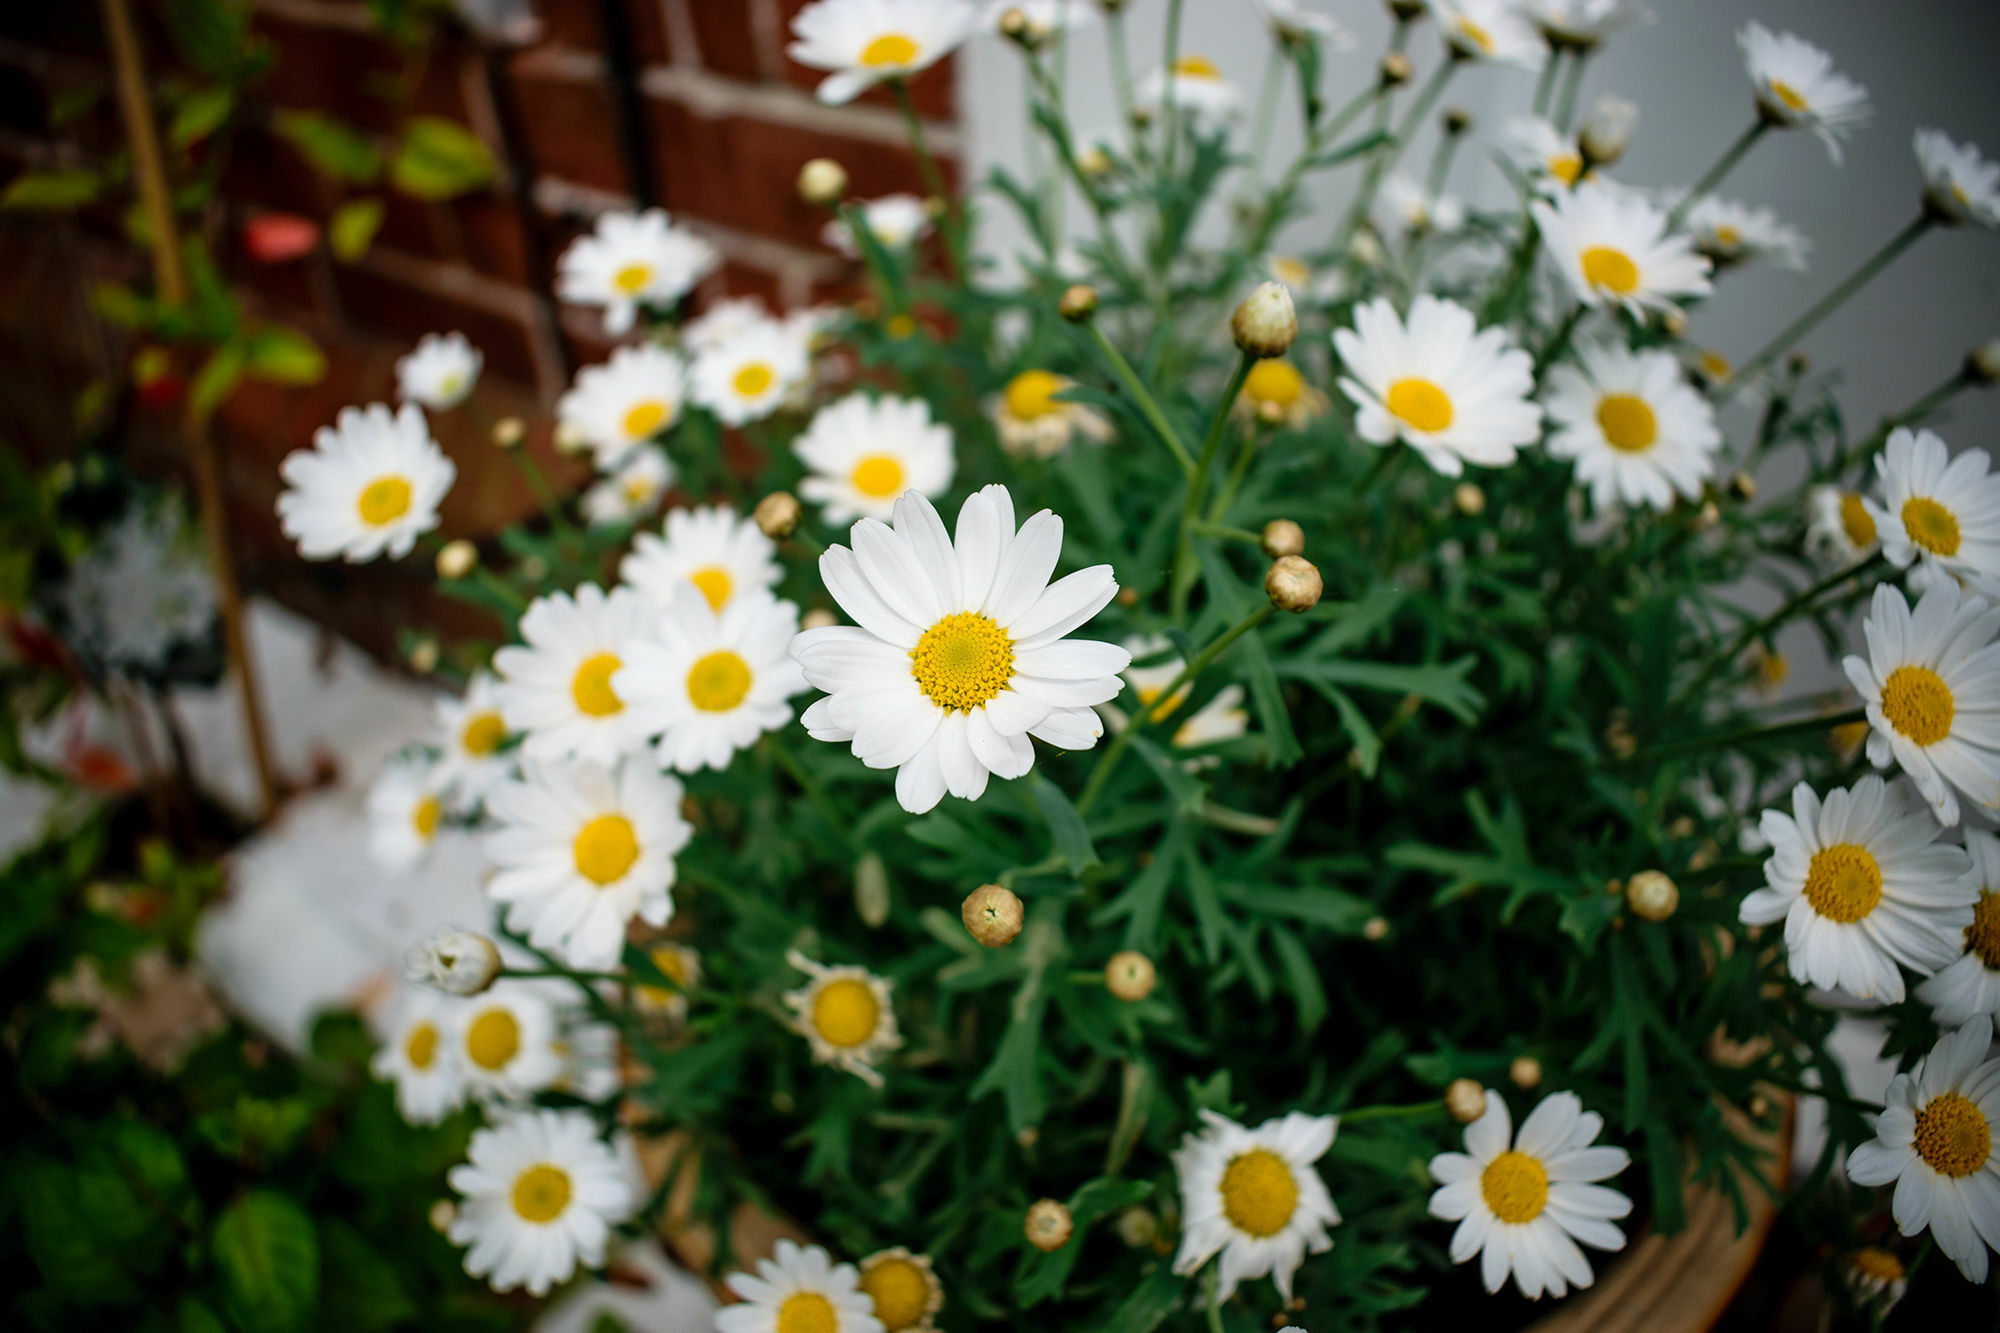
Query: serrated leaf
x,y
440,160
268,1255
51,191
352,228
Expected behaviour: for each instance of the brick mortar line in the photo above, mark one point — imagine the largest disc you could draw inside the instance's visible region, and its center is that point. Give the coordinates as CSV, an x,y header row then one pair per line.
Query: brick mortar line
x,y
714,96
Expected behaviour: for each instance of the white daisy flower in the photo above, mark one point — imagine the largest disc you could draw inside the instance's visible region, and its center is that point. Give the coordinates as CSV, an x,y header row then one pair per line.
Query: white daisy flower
x,y
719,551
896,221
1613,247
581,850
634,397
419,1060
1636,429
1045,18
1195,86
1489,30
1931,682
1875,1279
1292,22
799,1289
1730,233
471,732
557,688
540,1193
370,484
1150,682
1034,423
710,684
1798,88
1550,158
1840,532
1405,207
1253,1196
1938,511
904,1288
506,1043
1585,23
1523,1202
865,42
861,453
1970,987
1222,718
440,373
751,376
1455,393
631,493
405,811
678,964
1935,1140
633,260
723,322
845,1016
1862,884
1960,185
960,654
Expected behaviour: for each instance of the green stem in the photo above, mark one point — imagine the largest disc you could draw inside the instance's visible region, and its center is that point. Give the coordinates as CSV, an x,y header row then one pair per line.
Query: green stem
x,y
1267,112
581,978
1322,139
1572,85
1760,629
545,496
1246,454
1861,452
1447,147
1197,491
1114,248
1384,160
1751,735
1171,111
1121,64
1210,1292
1715,174
1367,1113
1227,534
1142,398
1559,341
1545,86
954,215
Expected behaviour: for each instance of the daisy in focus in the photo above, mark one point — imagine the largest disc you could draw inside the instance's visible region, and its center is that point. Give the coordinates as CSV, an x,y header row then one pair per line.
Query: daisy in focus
x,y
1797,87
405,810
1613,247
1523,1202
1275,393
1034,423
1551,158
861,453
1960,185
370,485
539,1194
1862,884
716,549
1939,512
1931,683
709,684
1730,234
896,221
472,733
633,260
904,1288
631,493
419,1061
1196,88
845,1016
960,654
749,377
1840,532
1489,30
634,397
440,373
1253,1196
506,1043
1970,987
557,688
800,1288
1637,431
1453,392
1934,1141
865,42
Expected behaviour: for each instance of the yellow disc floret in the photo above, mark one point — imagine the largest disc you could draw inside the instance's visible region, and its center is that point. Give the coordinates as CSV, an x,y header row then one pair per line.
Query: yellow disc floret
x,y
644,420
1952,1136
632,278
1610,269
715,585
754,380
878,475
1259,1193
962,661
1982,937
1422,404
1031,395
1918,704
605,849
492,1039
845,1012
1516,1187
1628,422
1843,882
483,733
718,682
1931,525
591,686
1274,381
384,500
420,1045
541,1193
1856,521
901,1290
891,48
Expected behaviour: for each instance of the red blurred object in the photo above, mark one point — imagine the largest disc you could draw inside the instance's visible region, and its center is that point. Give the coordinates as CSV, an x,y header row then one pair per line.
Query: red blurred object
x,y
279,238
32,645
101,769
160,392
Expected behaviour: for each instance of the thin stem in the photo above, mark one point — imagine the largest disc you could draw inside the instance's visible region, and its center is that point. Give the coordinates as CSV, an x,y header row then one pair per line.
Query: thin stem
x,y
1447,148
580,977
1197,492
1142,397
1267,112
1246,453
1864,450
1759,629
1545,86
1715,174
1211,1296
1121,63
1384,160
1171,111
1367,1113
1323,138
1559,341
1114,248
1572,85
954,216
1751,735
545,496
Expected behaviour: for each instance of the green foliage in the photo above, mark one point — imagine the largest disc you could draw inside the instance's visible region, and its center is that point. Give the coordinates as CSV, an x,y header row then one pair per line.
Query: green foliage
x,y
438,159
51,191
337,150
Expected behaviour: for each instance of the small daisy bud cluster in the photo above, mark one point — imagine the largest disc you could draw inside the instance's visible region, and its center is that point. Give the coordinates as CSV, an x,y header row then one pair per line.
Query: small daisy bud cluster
x,y
1130,975
1651,895
456,559
1282,537
777,515
823,181
1048,1225
1294,584
1465,1099
992,915
1078,304
1266,324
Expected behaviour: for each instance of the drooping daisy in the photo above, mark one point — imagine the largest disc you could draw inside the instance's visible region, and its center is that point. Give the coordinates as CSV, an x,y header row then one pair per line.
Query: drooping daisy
x,y
1291,22
1405,207
1253,1196
1730,233
1455,393
864,42
405,810
1970,987
631,493
1585,23
370,484
634,397
1862,884
420,1061
1612,247
719,551
1551,159
557,687
960,654
1034,423
1939,511
896,221
749,377
799,1290
1636,429
1798,88
1840,532
710,684
845,1016
633,260
540,1193
1931,682
678,964
1960,185
1276,393
471,733
1523,1202
861,453
1220,719
905,1290
1935,1140
1875,1279
1195,87
440,373
505,1040
581,851
1489,30
722,322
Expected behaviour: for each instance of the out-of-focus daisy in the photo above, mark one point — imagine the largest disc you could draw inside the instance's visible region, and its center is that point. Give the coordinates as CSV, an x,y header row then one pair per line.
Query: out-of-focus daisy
x,y
864,42
1636,429
1523,1202
1730,233
904,1288
1253,1196
370,484
1150,679
633,260
1295,273
1875,1279
678,964
960,654
1938,511
471,732
1970,987
539,1194
634,397
1220,719
1276,393
1550,158
716,549
1931,682
861,453
1291,22
505,1040
800,1290
1406,208
1934,1140
1489,30
1960,185
896,221
1862,884
1195,85
1840,532
1034,423
710,684
457,962
1612,246
631,493
557,688
721,322
405,810
1798,88
1585,23
845,1016
419,1060
440,373
749,377
581,850
1455,393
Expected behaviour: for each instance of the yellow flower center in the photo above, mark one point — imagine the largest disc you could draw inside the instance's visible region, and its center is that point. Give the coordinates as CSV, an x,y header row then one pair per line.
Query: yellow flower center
x,y
1611,269
1480,40
878,475
715,584
483,734
492,1039
1843,883
384,500
1728,237
754,380
1982,937
672,963
591,687
1773,669
420,1046
1952,1137
900,327
1789,97
1931,525
718,682
1161,708
1197,67
1873,1261
632,279
1291,271
643,420
638,490
1516,1187
1918,703
1031,395
541,1193
1628,422
1259,1194
425,817
1715,365
1274,382
962,661
605,849
1567,168
1856,521
1422,404
449,384
891,48
845,1012
900,1290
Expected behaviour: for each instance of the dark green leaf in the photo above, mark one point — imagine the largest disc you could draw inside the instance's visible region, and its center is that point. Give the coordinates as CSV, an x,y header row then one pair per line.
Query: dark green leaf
x,y
268,1255
284,356
440,160
1066,826
333,147
51,191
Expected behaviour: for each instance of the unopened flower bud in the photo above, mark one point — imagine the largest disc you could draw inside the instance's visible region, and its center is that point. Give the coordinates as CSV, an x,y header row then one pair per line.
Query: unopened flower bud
x,y
823,181
424,656
1457,120
777,515
818,618
1982,363
1130,975
457,962
1282,537
1366,249
1017,27
442,1214
1675,323
1375,929
508,432
1651,895
570,438
1525,1072
1293,582
1093,162
1137,1227
1395,70
1468,499
1465,1099
871,890
1048,1225
1607,130
1266,324
992,915
1078,304
457,559
1742,485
